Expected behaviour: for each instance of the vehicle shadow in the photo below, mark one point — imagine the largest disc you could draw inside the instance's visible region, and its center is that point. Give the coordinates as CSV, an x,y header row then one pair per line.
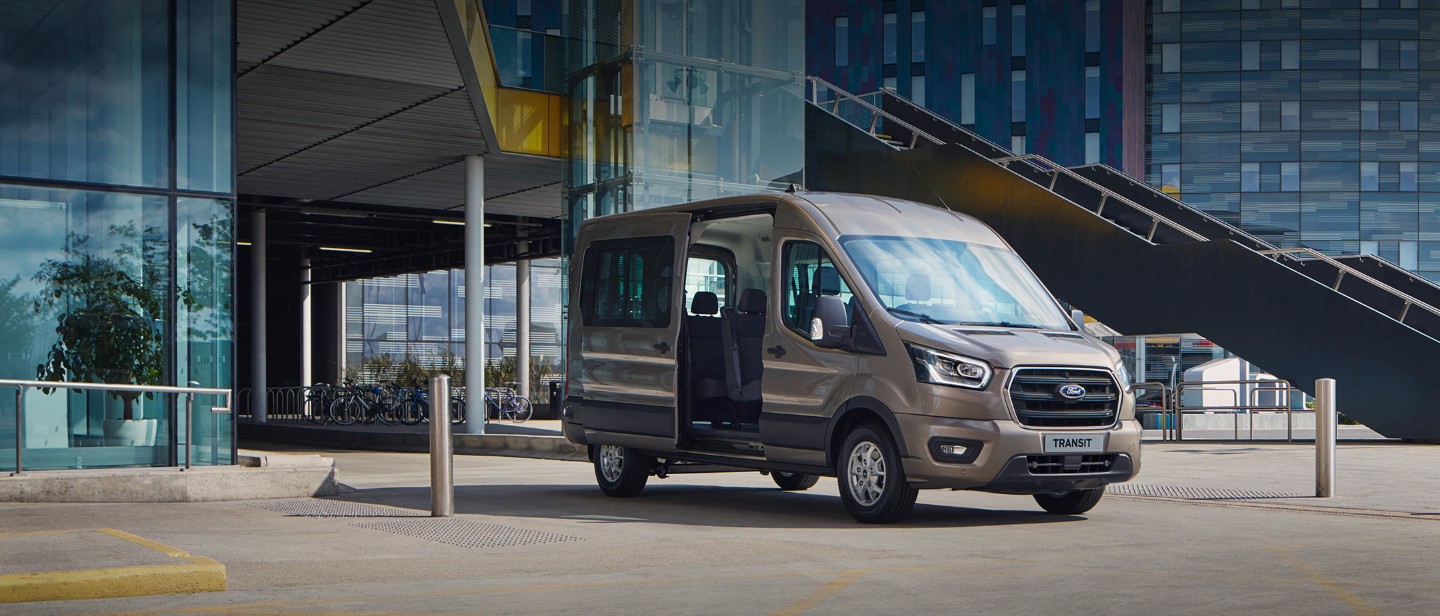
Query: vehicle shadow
x,y
689,505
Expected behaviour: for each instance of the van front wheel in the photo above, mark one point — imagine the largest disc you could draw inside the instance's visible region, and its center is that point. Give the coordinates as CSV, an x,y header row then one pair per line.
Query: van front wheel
x,y
872,480
794,482
1073,502
621,471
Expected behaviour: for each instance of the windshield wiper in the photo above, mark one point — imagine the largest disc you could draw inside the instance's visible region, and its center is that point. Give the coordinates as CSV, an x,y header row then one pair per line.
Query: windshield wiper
x,y
924,318
1003,324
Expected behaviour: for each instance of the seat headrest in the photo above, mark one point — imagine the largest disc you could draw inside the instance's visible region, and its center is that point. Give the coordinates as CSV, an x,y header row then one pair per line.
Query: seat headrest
x,y
917,287
706,303
827,281
752,301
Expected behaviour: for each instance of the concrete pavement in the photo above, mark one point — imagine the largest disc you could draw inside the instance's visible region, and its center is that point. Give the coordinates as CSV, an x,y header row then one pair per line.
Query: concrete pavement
x,y
537,537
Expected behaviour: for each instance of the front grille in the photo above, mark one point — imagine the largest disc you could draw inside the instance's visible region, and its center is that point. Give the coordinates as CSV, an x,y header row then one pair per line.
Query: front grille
x,y
1070,464
1035,393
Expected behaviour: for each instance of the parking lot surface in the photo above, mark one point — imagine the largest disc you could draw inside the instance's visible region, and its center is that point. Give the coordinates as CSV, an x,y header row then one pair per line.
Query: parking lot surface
x,y
1206,528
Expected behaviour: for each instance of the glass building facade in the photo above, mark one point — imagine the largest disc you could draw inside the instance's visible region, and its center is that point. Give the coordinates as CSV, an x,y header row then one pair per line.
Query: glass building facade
x,y
681,100
422,316
1306,123
116,225
1055,78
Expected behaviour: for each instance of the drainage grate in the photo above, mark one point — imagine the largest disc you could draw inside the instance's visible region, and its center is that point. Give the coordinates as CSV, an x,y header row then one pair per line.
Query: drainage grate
x,y
325,508
465,533
1180,492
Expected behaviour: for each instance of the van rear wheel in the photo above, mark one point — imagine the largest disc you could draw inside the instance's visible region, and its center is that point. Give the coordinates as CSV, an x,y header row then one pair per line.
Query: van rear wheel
x,y
872,480
621,471
1073,502
794,482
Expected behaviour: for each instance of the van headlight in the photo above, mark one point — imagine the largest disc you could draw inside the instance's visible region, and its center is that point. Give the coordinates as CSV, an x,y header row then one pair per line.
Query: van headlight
x,y
1122,374
940,368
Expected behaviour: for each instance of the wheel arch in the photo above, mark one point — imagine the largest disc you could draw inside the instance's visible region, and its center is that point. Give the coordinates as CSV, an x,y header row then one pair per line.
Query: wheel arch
x,y
855,411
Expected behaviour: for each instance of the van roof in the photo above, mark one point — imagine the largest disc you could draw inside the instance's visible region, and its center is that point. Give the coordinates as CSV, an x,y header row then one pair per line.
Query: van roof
x,y
856,214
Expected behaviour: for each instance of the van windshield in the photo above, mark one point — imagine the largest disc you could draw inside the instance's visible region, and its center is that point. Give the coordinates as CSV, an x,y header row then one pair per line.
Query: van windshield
x,y
953,283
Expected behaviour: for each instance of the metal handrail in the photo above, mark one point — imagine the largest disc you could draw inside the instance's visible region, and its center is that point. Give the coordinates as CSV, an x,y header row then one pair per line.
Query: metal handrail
x,y
816,83
1056,168
188,393
940,118
1259,386
1346,269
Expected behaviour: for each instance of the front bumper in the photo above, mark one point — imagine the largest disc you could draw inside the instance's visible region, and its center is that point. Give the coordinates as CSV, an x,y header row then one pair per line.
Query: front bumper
x,y
1002,464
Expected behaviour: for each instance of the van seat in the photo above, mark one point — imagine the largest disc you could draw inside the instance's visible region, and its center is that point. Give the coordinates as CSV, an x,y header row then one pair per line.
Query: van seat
x,y
747,322
705,357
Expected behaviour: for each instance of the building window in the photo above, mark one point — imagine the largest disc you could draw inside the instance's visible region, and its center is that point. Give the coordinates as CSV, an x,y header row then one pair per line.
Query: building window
x,y
1250,5
1289,4
967,99
1092,26
1369,53
1407,4
1289,115
1409,115
842,41
1017,30
1408,176
917,36
1170,58
1017,96
1092,92
1249,177
1092,148
1409,254
1170,175
1369,176
1017,144
1250,116
1250,56
1170,6
889,35
1289,55
1170,118
1290,177
917,89
1409,55
1369,4
888,83
987,25
1369,115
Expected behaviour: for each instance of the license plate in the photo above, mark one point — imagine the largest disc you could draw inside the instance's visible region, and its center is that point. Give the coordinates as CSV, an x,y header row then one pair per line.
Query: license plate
x,y
1074,443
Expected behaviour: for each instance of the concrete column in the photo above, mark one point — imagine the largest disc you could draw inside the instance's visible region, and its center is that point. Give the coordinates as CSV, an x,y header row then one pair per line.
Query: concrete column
x,y
307,358
522,322
258,408
475,294
341,313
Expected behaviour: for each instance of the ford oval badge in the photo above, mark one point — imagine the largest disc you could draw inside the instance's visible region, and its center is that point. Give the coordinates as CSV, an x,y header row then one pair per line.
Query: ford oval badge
x,y
1071,391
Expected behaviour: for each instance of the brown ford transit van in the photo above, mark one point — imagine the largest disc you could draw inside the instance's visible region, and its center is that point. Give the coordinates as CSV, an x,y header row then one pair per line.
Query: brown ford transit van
x,y
893,345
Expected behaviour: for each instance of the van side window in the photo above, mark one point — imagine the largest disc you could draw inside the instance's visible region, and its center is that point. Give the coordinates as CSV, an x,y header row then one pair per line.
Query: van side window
x,y
705,274
809,273
627,282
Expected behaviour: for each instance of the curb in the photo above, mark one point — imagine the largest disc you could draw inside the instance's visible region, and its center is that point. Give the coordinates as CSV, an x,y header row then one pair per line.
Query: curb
x,y
509,445
198,574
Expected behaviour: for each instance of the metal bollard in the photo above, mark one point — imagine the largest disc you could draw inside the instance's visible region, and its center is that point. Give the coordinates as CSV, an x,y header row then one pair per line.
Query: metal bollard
x,y
442,476
1326,424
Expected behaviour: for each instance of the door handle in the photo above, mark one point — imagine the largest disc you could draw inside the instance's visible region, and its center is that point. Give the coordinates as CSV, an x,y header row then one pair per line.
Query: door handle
x,y
662,346
777,350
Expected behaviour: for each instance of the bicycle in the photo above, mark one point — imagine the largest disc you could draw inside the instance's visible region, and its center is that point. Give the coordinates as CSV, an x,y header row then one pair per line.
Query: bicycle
x,y
507,405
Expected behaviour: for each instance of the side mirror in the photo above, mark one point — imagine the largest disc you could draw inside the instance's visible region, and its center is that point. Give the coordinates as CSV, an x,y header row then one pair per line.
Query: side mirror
x,y
1078,317
830,327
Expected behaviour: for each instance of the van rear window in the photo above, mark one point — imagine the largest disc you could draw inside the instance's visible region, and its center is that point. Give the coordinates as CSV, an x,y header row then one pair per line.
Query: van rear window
x,y
627,282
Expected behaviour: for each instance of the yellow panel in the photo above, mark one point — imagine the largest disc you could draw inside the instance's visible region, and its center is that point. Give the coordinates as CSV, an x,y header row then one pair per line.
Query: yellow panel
x,y
528,122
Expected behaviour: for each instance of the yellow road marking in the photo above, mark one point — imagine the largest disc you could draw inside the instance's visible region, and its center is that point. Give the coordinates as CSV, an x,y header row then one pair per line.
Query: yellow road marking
x,y
138,540
1334,588
199,574
825,591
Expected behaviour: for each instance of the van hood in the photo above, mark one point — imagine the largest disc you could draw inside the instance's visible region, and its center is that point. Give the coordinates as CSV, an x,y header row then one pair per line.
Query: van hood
x,y
1006,347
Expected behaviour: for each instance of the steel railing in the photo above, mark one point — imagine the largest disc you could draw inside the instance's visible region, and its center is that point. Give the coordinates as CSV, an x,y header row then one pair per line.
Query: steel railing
x,y
1315,255
1285,393
876,114
186,393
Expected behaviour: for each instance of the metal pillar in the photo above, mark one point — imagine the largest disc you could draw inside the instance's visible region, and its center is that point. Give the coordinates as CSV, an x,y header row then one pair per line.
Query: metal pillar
x,y
258,404
475,294
442,473
341,312
306,326
522,322
1326,423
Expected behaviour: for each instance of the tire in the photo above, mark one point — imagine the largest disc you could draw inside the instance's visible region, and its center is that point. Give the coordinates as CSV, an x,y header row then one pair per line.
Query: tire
x,y
345,411
457,410
412,412
621,471
794,482
1074,502
518,409
872,480
385,410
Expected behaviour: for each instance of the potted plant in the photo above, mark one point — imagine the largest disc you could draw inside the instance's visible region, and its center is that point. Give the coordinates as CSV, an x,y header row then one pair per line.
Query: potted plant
x,y
109,322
